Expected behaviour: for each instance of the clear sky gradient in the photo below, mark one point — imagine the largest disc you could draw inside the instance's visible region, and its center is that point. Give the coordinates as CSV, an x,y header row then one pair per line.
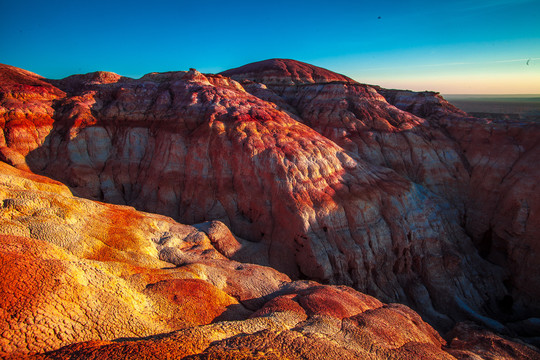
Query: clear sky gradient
x,y
460,46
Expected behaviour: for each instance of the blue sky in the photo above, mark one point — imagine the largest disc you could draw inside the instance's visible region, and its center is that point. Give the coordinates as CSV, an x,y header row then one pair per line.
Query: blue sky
x,y
452,46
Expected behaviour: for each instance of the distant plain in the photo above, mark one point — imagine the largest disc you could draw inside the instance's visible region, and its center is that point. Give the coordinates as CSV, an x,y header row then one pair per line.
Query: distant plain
x,y
516,107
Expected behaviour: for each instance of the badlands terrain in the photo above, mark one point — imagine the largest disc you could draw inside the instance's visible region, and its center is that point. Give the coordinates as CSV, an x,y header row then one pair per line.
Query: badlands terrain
x,y
273,211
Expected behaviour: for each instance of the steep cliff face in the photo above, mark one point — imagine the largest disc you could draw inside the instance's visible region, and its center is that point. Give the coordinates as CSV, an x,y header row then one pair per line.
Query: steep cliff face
x,y
502,198
484,169
320,177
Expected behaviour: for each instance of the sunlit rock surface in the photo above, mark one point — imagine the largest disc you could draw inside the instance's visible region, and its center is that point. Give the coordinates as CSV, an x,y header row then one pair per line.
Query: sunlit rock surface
x,y
485,169
96,288
397,194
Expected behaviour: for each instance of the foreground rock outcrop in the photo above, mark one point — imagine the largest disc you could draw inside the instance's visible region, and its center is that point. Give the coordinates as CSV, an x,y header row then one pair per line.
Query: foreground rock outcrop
x,y
196,304
397,194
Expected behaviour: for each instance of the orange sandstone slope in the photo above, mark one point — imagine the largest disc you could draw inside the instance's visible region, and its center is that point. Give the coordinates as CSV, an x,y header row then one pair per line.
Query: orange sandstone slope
x,y
158,289
321,177
76,270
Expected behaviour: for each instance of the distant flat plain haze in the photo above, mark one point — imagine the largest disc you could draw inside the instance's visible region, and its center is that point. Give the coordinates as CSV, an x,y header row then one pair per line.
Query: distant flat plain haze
x,y
518,107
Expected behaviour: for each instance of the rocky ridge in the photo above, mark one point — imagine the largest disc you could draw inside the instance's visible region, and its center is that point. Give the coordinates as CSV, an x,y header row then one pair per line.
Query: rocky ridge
x,y
317,176
483,168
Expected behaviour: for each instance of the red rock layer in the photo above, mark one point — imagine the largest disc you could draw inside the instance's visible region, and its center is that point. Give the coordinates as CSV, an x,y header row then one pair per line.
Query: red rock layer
x,y
284,72
26,113
484,169
162,290
360,120
324,178
502,200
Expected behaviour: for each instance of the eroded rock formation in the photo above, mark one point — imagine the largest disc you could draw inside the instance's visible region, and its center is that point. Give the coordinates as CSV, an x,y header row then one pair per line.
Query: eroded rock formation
x,y
162,290
396,194
502,201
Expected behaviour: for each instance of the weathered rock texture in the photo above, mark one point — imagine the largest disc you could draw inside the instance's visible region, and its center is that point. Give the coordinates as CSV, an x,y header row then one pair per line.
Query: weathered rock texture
x,y
75,270
164,290
484,169
397,194
502,199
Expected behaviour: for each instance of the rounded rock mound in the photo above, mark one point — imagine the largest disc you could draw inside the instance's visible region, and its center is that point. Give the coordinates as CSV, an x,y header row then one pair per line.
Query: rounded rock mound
x,y
284,72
